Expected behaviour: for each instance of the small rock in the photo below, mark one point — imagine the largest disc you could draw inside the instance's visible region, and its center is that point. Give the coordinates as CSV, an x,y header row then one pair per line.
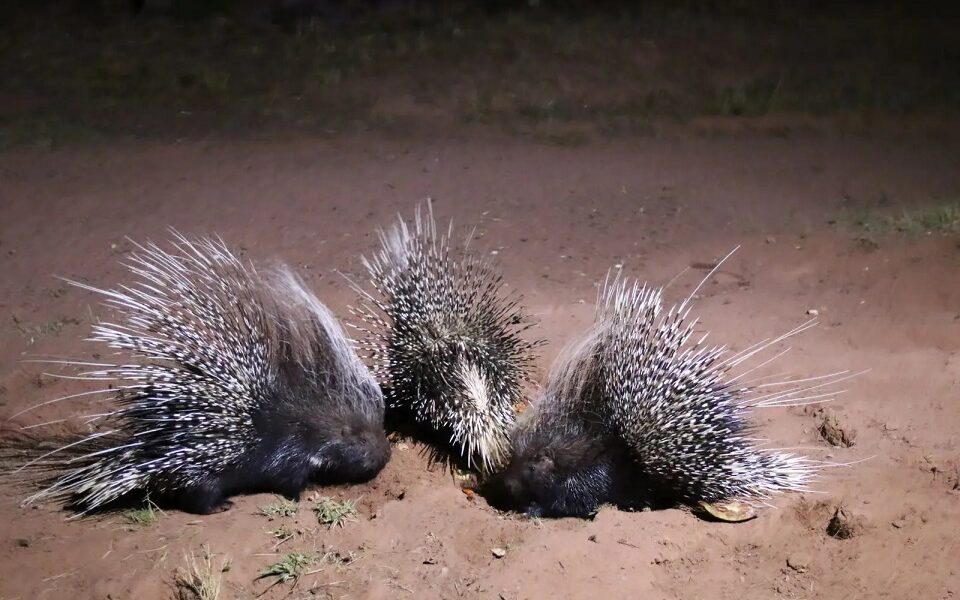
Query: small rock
x,y
899,524
813,312
498,552
593,538
771,240
799,562
23,543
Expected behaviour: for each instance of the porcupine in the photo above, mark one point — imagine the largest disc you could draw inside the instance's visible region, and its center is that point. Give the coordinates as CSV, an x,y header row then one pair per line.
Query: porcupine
x,y
638,415
234,381
444,341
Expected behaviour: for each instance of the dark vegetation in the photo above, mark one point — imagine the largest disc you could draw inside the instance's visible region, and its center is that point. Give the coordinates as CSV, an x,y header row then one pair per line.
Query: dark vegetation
x,y
563,70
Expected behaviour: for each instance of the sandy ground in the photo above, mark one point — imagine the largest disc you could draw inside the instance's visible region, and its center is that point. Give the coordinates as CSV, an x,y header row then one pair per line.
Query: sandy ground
x,y
558,218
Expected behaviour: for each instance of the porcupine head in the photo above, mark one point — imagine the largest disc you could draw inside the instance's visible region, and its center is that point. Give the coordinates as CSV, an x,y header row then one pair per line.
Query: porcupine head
x,y
564,461
324,421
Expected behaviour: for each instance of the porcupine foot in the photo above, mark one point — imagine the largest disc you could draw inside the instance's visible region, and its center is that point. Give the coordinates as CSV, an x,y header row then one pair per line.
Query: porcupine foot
x,y
207,499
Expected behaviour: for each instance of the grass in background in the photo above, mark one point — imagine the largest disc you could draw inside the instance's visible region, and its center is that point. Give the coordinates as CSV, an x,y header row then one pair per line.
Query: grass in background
x,y
42,131
941,219
551,71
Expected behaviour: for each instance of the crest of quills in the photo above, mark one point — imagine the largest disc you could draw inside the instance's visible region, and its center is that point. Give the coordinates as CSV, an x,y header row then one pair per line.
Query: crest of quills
x,y
444,341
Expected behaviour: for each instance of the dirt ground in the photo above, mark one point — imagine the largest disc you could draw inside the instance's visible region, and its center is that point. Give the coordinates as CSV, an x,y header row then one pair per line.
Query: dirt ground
x,y
558,218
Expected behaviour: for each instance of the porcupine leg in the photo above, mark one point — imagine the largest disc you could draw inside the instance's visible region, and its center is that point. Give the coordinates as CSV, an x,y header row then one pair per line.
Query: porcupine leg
x,y
288,488
205,499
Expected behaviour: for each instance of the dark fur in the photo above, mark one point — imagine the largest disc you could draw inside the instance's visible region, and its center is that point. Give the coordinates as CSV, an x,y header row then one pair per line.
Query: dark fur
x,y
352,446
570,474
354,451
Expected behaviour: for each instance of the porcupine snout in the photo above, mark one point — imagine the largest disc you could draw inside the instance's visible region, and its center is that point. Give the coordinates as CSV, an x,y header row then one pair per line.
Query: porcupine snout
x,y
371,452
554,474
355,450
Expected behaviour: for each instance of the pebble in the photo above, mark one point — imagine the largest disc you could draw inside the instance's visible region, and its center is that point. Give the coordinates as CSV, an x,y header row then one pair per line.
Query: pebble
x,y
799,562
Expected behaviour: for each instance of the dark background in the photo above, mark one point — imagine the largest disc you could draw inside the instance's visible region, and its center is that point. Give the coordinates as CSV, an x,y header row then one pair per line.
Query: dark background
x,y
77,69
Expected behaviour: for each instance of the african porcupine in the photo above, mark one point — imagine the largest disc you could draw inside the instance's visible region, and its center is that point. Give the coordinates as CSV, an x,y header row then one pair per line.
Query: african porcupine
x,y
444,342
638,415
234,381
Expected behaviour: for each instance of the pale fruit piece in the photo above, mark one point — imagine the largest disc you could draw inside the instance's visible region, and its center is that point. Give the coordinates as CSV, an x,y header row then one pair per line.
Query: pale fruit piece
x,y
730,512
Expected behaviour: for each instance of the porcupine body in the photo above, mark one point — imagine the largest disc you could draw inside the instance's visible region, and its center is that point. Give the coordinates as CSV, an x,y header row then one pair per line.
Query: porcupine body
x,y
233,381
445,342
637,414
